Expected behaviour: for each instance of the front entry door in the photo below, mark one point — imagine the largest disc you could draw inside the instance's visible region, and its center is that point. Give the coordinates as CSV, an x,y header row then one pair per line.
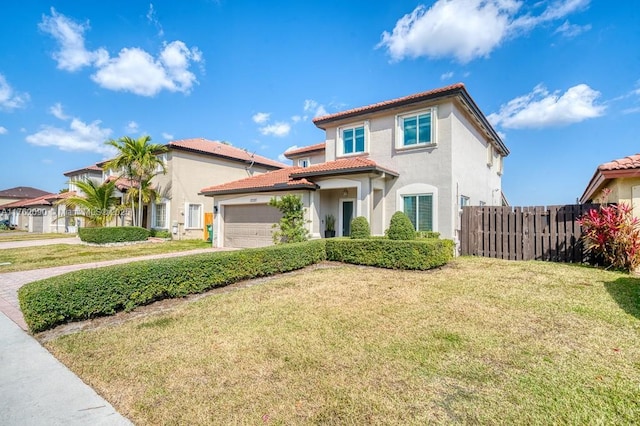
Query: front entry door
x,y
347,216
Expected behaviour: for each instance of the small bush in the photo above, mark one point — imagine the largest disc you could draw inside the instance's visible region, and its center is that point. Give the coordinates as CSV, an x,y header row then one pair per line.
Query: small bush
x,y
360,228
160,233
116,234
427,234
385,253
401,227
96,292
291,228
612,236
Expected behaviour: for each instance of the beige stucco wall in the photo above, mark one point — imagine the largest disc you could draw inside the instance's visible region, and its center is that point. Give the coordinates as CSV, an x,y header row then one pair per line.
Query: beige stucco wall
x,y
187,174
622,192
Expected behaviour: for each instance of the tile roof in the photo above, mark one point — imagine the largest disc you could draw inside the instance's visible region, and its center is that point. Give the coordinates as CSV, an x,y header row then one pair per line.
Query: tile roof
x,y
429,94
122,183
92,168
220,149
305,150
22,192
275,180
44,200
296,177
621,168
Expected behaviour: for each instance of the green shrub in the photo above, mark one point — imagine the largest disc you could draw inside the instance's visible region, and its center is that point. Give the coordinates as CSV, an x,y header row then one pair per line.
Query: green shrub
x,y
360,228
160,233
116,234
96,292
420,254
401,227
427,234
291,228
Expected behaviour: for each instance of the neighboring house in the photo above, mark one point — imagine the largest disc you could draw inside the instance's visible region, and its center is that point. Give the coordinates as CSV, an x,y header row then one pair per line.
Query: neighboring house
x,y
12,195
427,154
90,172
621,177
42,214
190,165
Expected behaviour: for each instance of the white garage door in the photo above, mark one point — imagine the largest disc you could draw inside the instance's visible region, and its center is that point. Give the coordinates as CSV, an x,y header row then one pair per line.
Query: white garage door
x,y
38,223
249,225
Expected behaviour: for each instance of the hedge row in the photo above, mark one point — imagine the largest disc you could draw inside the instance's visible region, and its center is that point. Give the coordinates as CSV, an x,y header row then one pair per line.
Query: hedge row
x,y
393,254
104,291
114,234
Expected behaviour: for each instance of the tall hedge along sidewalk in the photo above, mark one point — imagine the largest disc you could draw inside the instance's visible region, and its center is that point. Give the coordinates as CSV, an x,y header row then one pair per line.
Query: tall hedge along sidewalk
x,y
104,291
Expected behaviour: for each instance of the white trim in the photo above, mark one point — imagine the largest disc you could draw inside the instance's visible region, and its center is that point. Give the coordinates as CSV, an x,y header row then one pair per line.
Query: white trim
x,y
340,141
420,189
400,128
341,201
306,159
187,216
154,213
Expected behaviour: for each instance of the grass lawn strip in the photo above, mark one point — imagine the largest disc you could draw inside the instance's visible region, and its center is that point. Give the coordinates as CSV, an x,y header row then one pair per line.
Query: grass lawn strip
x,y
481,340
7,236
27,258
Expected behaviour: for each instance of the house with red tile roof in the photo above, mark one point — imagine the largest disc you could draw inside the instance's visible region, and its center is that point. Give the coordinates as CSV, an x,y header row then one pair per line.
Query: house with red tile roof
x,y
18,193
621,177
426,154
42,214
190,165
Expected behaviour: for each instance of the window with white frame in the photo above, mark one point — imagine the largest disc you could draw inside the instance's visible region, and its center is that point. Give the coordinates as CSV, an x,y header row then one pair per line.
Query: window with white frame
x,y
160,216
464,201
419,208
303,162
416,129
163,160
194,216
353,140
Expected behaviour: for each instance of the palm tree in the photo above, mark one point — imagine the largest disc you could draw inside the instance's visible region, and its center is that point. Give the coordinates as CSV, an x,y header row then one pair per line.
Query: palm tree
x,y
138,159
98,205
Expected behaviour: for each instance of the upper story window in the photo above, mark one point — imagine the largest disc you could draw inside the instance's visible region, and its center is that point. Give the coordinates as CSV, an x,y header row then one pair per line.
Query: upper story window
x,y
464,201
353,140
163,160
303,162
416,129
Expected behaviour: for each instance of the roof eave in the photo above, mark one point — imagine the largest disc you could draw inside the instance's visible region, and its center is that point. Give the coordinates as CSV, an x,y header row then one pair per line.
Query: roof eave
x,y
298,154
350,171
311,187
226,157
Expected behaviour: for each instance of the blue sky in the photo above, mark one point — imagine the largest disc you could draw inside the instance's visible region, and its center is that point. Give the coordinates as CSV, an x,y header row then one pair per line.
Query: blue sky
x,y
560,79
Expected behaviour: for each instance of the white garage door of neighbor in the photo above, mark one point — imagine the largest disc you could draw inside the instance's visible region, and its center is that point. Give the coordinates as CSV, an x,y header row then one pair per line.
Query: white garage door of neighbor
x,y
249,225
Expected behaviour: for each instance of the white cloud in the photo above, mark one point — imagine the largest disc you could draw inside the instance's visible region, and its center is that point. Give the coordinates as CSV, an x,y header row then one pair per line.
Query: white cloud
x,y
133,70
80,136
279,129
446,75
296,118
466,29
132,127
152,17
313,107
72,54
261,117
57,111
284,159
572,30
136,71
9,100
540,108
3,130
167,136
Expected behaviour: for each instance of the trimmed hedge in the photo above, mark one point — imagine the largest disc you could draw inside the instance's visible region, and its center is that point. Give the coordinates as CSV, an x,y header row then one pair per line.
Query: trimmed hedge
x,y
114,234
96,292
360,228
393,254
400,227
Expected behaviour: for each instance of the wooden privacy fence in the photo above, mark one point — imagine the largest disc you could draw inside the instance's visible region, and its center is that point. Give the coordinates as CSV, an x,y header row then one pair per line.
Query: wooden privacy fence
x,y
524,233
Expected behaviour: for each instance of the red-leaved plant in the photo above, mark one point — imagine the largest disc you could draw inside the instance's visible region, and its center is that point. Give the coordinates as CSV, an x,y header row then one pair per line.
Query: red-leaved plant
x,y
612,235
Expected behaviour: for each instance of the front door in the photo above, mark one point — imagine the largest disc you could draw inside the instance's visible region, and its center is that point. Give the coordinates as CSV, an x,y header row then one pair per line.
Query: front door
x,y
347,216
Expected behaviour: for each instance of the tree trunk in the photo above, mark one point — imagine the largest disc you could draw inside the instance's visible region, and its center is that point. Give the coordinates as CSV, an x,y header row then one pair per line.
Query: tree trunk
x,y
140,202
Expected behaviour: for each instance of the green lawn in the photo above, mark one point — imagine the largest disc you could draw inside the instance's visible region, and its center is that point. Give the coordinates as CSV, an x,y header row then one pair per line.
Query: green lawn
x,y
479,341
22,259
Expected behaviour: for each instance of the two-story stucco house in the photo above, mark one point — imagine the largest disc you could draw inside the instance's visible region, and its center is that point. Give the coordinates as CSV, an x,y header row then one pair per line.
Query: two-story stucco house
x,y
426,154
190,164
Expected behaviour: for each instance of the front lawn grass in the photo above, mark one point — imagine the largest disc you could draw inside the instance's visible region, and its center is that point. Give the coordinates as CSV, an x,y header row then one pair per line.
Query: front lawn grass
x,y
26,258
478,341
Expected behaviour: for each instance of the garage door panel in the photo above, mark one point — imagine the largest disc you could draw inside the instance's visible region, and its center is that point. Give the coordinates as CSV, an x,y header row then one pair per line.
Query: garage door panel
x,y
249,225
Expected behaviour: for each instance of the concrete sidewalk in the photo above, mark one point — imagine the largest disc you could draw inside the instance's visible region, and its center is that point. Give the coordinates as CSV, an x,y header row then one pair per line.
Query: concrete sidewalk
x,y
35,243
36,389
